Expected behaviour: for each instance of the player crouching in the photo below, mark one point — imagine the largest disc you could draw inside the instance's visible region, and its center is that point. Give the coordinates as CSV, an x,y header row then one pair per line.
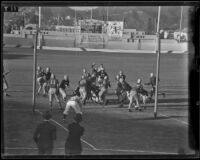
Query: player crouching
x,y
54,91
62,88
75,104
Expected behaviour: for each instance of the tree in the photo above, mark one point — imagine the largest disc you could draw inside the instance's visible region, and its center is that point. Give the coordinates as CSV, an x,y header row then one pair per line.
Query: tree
x,y
150,26
33,19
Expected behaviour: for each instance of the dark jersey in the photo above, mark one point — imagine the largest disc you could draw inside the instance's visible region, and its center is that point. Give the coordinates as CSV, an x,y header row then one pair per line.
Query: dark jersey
x,y
126,86
102,74
94,71
64,83
73,143
122,76
139,87
40,74
47,76
152,81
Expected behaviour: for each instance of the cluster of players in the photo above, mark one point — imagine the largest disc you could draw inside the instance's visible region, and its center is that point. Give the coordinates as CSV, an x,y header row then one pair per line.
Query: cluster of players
x,y
93,86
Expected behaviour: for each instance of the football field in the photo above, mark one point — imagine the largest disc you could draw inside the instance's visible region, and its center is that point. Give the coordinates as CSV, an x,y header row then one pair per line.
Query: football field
x,y
109,130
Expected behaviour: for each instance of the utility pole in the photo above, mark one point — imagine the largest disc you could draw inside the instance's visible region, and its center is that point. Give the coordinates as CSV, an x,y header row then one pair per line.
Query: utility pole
x,y
39,41
158,62
34,69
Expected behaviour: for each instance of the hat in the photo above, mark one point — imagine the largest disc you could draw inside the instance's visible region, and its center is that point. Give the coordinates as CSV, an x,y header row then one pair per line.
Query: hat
x,y
78,117
47,115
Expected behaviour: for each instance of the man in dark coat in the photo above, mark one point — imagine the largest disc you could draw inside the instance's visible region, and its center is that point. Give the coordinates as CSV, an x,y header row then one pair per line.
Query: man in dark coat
x,y
73,143
44,135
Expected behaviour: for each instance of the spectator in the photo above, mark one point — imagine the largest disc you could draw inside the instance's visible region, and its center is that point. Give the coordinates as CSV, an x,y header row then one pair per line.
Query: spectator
x,y
73,143
44,135
5,83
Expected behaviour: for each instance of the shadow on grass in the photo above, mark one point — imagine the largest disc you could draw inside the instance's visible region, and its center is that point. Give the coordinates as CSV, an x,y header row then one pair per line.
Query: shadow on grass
x,y
18,56
159,117
169,100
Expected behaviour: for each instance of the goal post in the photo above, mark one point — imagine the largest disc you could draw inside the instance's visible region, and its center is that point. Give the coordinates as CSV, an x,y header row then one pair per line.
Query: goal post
x,y
91,40
158,63
34,69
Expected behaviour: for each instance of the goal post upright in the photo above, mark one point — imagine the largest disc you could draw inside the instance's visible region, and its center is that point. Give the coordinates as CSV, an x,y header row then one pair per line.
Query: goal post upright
x,y
34,69
158,63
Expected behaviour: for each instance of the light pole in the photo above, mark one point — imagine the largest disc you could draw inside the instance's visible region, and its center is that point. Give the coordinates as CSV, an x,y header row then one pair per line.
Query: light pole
x,y
39,41
158,62
34,69
181,23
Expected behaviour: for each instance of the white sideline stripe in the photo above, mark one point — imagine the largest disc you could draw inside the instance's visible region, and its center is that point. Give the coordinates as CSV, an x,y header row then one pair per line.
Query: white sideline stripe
x,y
93,147
115,150
110,50
183,122
61,48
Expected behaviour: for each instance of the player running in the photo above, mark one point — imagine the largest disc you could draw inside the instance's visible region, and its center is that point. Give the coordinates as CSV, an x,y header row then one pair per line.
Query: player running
x,y
40,79
131,94
140,89
102,73
119,91
82,85
93,70
152,82
122,75
54,90
62,87
47,77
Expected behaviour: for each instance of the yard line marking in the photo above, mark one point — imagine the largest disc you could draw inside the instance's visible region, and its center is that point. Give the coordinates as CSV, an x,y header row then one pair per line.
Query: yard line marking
x,y
93,147
183,122
114,150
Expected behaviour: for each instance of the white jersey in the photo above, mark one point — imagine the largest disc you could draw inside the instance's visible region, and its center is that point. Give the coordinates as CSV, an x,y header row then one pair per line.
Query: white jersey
x,y
75,104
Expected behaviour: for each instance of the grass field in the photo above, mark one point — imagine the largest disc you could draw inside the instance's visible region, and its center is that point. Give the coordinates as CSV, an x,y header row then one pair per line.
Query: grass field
x,y
53,41
109,130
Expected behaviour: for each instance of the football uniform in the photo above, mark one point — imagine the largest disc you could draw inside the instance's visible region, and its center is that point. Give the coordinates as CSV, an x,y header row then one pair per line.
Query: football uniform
x,y
47,77
75,104
53,91
62,88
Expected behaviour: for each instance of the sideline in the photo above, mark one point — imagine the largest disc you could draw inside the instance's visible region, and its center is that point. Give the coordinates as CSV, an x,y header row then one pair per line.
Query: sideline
x,y
114,150
97,149
93,147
